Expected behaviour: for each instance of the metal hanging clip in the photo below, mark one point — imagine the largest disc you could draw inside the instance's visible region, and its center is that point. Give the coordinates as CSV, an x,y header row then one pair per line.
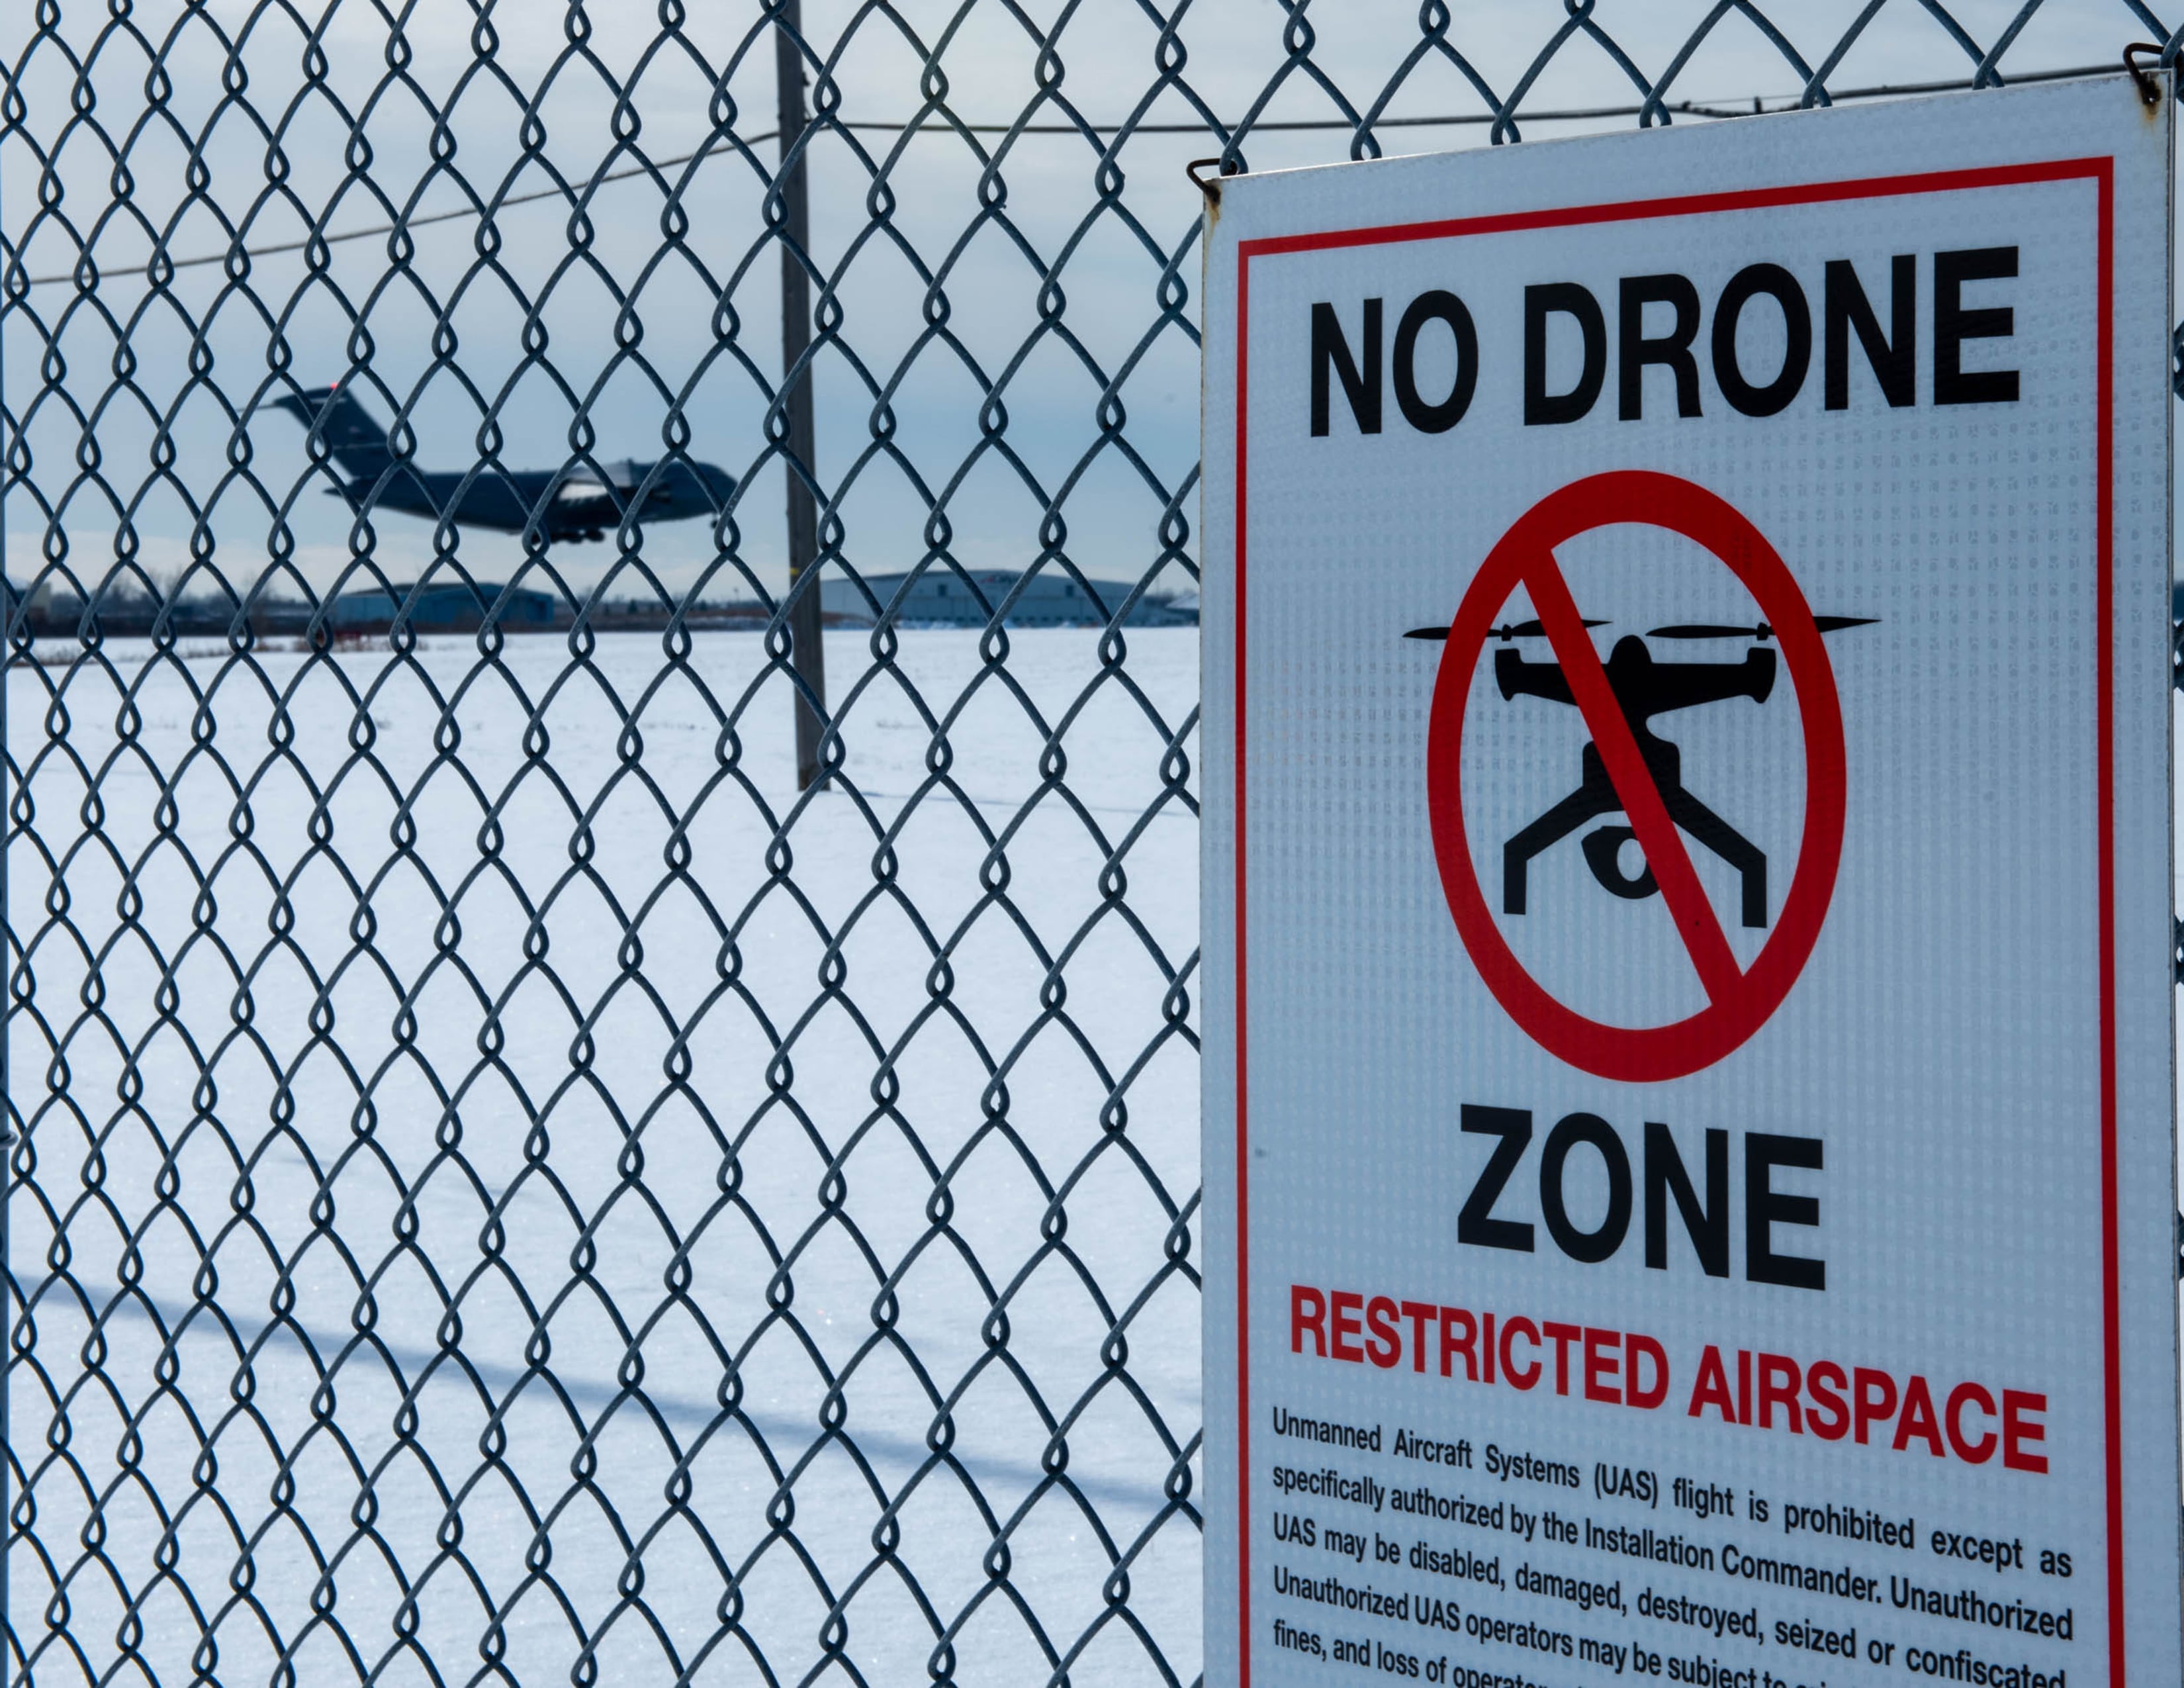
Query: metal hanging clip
x,y
2149,89
1211,188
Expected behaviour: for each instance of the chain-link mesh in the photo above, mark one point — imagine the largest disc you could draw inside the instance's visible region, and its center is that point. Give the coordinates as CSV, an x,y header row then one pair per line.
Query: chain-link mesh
x,y
504,1184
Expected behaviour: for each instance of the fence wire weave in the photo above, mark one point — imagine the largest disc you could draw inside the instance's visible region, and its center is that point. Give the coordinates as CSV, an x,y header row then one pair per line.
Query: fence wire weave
x,y
503,1184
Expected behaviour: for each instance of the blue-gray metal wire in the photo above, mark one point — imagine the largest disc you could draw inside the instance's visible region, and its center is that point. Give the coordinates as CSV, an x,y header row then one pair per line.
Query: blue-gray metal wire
x,y
503,1186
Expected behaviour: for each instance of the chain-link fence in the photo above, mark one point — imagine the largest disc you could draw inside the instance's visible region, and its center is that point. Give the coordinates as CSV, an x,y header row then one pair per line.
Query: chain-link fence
x,y
518,1171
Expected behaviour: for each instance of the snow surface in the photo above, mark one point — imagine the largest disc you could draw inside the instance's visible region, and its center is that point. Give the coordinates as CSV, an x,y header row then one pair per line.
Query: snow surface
x,y
475,1179
482,1125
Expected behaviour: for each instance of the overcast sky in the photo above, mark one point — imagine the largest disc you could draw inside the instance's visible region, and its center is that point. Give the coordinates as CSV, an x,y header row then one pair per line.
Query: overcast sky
x,y
713,362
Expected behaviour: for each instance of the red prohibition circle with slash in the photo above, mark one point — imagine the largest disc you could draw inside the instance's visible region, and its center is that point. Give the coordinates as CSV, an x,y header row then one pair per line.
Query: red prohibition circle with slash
x,y
1739,1000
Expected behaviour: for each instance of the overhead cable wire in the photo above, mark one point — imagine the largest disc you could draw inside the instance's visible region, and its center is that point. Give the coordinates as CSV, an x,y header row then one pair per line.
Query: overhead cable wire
x,y
1710,108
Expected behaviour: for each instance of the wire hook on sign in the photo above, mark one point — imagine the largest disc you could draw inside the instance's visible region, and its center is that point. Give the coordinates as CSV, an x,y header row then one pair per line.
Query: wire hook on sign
x,y
2149,89
1210,189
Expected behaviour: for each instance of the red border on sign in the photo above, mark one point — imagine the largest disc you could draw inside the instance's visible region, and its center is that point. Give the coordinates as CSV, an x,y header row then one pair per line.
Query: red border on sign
x,y
1739,1001
2101,172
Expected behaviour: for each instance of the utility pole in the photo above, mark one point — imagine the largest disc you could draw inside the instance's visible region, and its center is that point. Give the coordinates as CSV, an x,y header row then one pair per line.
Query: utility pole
x,y
807,655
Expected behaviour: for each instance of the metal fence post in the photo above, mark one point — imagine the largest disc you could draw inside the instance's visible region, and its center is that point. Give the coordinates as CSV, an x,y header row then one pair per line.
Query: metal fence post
x,y
807,653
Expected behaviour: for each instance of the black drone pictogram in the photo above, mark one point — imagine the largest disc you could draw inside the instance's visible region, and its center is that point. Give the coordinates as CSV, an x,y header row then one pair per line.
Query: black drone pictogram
x,y
1643,688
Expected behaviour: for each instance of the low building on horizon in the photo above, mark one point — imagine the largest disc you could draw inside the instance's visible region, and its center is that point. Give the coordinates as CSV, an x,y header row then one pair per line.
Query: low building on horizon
x,y
942,597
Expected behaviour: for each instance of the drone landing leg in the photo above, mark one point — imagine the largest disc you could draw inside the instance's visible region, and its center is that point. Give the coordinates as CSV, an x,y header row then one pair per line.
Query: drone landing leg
x,y
1725,841
1588,802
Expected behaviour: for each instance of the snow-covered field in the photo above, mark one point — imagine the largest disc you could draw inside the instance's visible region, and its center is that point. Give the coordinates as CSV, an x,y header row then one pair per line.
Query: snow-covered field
x,y
453,1056
460,1070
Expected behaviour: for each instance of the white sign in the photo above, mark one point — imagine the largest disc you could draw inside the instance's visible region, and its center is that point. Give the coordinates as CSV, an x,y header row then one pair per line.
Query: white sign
x,y
1689,1125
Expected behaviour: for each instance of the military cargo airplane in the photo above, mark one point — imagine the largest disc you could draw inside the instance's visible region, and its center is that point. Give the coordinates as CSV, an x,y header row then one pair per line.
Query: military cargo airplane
x,y
567,503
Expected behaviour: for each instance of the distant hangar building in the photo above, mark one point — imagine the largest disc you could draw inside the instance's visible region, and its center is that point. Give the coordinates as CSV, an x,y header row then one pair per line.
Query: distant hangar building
x,y
444,607
941,597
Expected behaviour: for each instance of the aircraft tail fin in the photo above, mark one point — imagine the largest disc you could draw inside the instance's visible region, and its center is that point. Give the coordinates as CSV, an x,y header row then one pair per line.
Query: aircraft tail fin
x,y
358,444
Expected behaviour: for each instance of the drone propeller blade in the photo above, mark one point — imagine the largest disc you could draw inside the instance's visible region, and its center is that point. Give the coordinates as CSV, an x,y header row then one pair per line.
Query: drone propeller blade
x,y
1712,630
1515,630
1534,629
